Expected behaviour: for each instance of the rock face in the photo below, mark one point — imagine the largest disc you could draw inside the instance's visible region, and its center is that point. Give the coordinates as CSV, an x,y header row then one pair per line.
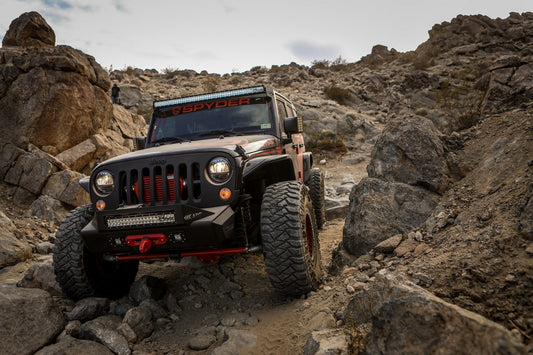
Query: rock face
x,y
56,119
29,30
407,170
410,151
13,249
52,97
379,209
405,318
23,309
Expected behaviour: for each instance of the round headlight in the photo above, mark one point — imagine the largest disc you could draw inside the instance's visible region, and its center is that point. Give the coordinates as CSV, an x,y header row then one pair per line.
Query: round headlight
x,y
104,182
219,170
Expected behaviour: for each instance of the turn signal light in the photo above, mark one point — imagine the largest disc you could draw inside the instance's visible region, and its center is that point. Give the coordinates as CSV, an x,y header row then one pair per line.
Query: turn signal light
x,y
100,205
224,193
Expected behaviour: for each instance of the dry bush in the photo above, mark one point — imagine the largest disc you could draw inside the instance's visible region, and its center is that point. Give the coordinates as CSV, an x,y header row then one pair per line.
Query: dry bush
x,y
460,100
170,72
211,83
338,94
326,142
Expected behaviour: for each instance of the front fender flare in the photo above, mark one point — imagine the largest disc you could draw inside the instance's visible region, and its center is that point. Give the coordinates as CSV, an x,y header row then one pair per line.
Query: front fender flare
x,y
258,165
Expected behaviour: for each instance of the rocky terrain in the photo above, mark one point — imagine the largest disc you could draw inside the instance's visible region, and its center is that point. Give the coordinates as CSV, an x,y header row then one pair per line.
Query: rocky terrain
x,y
428,162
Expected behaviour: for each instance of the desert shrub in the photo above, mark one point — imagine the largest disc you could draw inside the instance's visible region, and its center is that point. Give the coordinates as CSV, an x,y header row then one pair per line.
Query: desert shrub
x,y
338,64
235,79
336,93
458,98
170,72
423,61
320,64
357,336
211,83
325,141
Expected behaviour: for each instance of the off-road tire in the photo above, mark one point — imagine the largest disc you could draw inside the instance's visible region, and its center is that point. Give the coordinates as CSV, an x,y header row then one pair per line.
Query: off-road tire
x,y
316,191
81,273
290,239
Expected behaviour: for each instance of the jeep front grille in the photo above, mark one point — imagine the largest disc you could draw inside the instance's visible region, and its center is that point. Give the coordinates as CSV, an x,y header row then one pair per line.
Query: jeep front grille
x,y
161,184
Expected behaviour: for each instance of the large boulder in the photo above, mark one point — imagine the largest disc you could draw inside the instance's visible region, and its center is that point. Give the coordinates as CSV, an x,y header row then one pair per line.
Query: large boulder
x,y
410,151
29,30
49,107
13,249
380,209
70,345
50,96
29,320
406,319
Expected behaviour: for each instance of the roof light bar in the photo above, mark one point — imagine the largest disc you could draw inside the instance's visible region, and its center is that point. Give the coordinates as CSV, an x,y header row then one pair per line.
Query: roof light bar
x,y
212,96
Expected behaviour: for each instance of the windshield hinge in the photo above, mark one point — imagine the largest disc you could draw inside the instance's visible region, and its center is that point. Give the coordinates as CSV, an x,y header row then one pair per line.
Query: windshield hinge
x,y
241,151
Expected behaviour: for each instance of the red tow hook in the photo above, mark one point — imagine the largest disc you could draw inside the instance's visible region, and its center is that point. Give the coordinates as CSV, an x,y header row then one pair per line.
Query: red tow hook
x,y
146,244
146,241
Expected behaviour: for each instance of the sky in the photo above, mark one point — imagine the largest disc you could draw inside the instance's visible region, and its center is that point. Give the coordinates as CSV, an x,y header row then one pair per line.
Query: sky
x,y
227,36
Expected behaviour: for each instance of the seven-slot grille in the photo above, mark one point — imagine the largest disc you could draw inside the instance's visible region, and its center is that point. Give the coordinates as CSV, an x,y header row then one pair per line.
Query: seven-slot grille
x,y
161,184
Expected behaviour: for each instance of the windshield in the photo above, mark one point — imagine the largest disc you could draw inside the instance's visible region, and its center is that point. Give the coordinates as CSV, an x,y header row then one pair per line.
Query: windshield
x,y
225,117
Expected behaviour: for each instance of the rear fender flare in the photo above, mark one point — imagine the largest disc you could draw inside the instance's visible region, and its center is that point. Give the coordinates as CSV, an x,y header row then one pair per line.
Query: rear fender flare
x,y
308,164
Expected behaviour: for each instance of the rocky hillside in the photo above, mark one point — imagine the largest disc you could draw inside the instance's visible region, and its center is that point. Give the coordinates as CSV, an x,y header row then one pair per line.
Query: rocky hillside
x,y
434,245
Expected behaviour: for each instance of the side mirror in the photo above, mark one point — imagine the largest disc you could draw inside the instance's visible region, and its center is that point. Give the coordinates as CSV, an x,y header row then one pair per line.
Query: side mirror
x,y
293,125
139,143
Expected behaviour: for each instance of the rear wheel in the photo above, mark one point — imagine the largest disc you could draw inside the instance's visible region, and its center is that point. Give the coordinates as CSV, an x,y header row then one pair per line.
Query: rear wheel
x,y
290,239
316,191
81,273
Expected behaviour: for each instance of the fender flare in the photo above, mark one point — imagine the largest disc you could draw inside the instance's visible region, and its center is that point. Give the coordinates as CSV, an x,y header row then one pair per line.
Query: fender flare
x,y
84,182
308,164
257,164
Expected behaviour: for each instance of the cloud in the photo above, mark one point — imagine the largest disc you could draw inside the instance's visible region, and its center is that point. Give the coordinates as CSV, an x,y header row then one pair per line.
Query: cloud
x,y
307,51
54,16
119,6
228,8
60,4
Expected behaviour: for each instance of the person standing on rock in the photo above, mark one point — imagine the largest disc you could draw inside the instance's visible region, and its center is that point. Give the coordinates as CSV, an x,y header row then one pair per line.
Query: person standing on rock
x,y
115,94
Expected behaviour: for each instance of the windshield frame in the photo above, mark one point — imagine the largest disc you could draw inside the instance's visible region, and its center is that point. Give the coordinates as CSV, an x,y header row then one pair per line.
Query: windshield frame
x,y
205,112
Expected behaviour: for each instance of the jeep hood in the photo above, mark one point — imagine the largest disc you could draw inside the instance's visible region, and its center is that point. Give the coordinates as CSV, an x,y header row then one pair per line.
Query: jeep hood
x,y
252,145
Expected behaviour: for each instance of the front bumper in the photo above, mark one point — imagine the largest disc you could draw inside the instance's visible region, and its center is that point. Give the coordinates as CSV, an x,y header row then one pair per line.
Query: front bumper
x,y
186,228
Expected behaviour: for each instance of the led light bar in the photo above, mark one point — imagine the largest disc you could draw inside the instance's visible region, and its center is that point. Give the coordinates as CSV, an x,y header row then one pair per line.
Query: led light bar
x,y
141,220
212,96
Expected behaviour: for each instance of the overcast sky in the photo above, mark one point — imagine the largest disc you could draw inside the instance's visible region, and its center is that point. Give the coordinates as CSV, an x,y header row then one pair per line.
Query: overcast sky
x,y
224,36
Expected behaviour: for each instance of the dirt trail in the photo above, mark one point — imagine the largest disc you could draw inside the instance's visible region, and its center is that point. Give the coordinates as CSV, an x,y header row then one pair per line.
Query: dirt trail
x,y
236,293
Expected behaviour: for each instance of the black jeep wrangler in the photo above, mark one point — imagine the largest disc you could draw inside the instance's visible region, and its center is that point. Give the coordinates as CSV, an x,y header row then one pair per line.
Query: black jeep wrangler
x,y
219,173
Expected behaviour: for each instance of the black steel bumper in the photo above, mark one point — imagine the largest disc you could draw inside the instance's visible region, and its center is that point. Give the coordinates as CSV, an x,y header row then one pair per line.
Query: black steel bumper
x,y
186,228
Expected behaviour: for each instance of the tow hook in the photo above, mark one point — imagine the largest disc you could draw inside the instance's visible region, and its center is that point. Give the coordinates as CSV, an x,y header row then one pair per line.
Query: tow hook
x,y
146,241
146,244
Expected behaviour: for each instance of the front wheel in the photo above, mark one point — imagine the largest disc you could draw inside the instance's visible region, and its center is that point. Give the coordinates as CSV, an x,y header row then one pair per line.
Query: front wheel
x,y
290,239
81,273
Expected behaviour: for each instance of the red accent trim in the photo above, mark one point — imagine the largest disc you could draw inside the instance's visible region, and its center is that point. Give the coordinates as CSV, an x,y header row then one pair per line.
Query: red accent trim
x,y
171,188
268,152
214,252
142,257
156,238
203,255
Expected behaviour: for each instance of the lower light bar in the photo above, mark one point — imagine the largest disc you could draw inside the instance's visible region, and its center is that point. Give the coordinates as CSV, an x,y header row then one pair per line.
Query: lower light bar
x,y
212,96
141,220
